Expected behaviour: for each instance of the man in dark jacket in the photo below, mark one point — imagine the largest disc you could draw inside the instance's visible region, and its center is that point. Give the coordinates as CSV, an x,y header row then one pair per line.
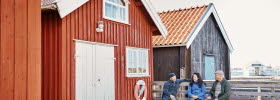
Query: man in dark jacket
x,y
171,86
221,88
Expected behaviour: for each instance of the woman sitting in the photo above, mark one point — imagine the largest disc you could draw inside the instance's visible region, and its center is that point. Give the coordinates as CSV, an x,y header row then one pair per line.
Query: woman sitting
x,y
196,89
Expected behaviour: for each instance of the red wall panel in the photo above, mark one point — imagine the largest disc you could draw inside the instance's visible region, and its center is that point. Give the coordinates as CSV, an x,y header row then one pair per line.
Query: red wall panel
x,y
20,50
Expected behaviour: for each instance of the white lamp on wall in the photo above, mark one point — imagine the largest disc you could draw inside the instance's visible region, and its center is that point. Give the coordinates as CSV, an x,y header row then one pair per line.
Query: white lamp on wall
x,y
100,26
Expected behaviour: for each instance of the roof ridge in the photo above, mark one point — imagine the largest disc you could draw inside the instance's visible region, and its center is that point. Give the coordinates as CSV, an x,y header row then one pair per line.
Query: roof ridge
x,y
182,9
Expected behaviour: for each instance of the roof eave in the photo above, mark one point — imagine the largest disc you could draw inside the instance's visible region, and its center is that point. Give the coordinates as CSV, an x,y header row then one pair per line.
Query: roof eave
x,y
162,46
49,7
152,12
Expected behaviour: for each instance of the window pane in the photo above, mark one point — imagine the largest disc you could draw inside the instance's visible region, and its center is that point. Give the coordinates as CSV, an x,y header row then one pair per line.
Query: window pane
x,y
114,11
108,10
134,68
131,64
145,63
137,64
139,61
131,61
142,62
142,59
123,14
134,60
118,13
131,70
144,70
139,70
128,57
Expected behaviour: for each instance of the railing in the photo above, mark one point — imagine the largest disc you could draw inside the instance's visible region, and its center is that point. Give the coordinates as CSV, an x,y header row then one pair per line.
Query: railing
x,y
240,90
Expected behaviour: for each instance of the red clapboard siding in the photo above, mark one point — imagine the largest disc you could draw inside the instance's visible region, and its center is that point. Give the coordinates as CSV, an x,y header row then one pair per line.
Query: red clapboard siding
x,y
59,47
20,50
7,49
51,38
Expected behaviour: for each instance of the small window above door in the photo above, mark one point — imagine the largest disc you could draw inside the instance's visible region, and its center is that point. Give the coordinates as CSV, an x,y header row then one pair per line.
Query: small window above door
x,y
116,10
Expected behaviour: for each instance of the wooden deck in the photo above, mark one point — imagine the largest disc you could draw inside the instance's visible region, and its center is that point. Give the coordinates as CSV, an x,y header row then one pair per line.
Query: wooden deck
x,y
240,90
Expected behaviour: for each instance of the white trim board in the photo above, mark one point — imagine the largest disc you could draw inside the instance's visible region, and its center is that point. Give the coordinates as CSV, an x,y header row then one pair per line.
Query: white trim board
x,y
103,44
137,48
162,46
65,7
210,10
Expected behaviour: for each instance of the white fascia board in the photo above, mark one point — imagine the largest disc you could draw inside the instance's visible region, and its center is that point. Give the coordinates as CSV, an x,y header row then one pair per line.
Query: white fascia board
x,y
155,17
210,10
163,46
65,7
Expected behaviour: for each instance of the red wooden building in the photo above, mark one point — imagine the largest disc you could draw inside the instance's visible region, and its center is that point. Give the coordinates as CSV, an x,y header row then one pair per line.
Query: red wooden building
x,y
97,49
20,50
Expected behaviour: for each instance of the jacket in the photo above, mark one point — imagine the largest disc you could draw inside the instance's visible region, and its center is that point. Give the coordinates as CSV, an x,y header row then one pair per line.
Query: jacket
x,y
195,90
170,88
225,90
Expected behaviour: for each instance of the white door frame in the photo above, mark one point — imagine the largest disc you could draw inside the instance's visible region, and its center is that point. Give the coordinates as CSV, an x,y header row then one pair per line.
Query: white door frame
x,y
86,76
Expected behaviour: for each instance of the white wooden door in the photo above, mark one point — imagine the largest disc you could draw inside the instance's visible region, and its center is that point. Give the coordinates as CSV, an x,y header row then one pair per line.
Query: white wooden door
x,y
85,71
105,73
94,72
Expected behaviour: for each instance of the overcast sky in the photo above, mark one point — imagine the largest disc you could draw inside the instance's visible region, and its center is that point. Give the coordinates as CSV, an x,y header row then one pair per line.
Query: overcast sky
x,y
253,26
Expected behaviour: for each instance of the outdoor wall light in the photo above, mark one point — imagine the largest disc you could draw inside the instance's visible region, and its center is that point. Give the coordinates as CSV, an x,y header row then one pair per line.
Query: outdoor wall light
x,y
100,26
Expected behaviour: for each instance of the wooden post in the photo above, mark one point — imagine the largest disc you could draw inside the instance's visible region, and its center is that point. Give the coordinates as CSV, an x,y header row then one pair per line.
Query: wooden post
x,y
259,90
273,91
161,88
153,88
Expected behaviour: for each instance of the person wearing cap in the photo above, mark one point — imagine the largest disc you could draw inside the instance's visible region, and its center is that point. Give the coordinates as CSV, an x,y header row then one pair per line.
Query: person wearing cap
x,y
171,86
221,87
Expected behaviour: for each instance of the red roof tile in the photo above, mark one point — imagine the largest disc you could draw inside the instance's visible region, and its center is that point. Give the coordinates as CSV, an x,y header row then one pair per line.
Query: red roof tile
x,y
179,24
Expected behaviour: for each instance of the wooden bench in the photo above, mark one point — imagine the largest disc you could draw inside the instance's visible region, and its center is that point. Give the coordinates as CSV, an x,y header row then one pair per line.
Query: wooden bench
x,y
241,89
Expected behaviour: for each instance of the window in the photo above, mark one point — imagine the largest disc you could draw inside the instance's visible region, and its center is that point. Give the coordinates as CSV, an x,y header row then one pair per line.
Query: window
x,y
137,62
116,10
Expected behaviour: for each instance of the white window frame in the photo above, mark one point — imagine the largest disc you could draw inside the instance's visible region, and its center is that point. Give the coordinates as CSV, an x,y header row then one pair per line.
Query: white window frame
x,y
147,64
114,19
